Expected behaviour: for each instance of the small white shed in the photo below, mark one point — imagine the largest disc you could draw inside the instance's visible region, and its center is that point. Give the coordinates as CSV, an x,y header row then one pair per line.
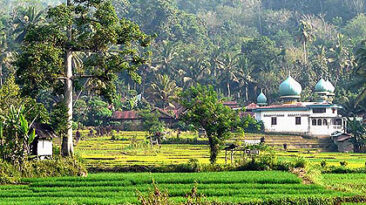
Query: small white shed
x,y
42,144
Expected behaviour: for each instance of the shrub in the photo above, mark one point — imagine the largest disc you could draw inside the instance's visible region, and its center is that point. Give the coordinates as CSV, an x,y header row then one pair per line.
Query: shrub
x,y
343,163
323,163
114,135
300,162
10,174
155,197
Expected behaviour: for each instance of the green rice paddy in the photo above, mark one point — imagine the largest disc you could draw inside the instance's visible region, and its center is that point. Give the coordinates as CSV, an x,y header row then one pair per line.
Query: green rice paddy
x,y
121,188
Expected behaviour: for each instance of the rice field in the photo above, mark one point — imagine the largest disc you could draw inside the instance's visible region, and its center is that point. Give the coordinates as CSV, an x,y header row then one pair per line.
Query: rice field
x,y
131,148
122,188
355,183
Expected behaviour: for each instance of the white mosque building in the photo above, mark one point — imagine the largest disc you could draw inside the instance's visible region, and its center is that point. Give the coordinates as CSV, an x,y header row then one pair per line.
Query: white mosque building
x,y
320,118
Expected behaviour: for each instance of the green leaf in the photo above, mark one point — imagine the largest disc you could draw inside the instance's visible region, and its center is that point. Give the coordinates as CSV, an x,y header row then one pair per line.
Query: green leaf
x,y
1,130
23,124
32,136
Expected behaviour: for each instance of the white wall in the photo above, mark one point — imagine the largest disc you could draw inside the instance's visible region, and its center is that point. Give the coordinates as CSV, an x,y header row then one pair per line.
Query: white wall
x,y
44,147
286,122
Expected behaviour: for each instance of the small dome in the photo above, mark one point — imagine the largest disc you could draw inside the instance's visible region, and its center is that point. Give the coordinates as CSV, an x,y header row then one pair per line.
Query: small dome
x,y
261,99
330,87
290,87
322,86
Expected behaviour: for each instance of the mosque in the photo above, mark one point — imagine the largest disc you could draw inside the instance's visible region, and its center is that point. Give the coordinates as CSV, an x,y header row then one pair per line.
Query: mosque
x,y
319,118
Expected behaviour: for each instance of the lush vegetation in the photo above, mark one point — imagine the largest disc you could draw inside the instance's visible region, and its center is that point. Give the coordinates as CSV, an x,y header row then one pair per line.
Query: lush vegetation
x,y
239,47
119,188
70,64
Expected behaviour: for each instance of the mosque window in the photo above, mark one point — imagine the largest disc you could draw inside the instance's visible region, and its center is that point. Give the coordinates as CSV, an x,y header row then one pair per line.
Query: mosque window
x,y
274,120
313,122
319,110
325,122
298,120
319,122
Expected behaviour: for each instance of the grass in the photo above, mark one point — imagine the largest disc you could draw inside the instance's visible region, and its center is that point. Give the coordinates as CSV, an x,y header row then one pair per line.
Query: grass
x,y
117,188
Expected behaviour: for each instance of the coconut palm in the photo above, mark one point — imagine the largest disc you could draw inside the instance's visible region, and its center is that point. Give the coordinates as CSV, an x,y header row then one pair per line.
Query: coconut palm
x,y
163,90
305,36
361,70
30,18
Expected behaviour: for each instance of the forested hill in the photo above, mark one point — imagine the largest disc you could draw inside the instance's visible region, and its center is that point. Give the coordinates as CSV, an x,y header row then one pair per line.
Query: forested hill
x,y
241,46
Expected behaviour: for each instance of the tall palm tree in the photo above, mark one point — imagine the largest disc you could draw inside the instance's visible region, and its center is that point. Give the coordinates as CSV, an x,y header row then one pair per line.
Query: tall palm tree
x,y
361,70
163,90
305,36
227,66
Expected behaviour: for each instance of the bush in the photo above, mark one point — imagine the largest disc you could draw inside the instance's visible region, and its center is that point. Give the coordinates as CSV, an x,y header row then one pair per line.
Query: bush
x,y
323,163
54,168
343,163
300,162
193,141
10,174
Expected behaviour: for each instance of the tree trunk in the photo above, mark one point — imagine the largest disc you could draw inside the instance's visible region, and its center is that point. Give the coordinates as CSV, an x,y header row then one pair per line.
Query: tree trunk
x,y
246,93
305,53
228,89
68,148
1,74
214,150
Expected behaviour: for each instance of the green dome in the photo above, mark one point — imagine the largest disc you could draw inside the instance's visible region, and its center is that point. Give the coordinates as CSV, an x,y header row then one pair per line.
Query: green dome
x,y
290,87
261,99
322,86
330,87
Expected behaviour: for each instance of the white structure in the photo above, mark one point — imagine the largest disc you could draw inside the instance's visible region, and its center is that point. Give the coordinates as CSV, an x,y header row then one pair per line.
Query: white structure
x,y
44,147
42,144
319,118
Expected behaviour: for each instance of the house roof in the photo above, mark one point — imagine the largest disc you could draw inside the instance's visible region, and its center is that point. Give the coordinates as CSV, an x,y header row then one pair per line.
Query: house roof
x,y
251,106
343,137
43,131
125,115
134,115
296,106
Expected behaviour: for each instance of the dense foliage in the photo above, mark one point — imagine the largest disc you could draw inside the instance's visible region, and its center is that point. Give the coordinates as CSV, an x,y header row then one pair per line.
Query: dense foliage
x,y
239,47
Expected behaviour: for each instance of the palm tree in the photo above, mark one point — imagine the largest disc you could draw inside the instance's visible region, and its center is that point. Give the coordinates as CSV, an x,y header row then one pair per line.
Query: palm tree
x,y
361,70
305,36
227,65
30,18
163,91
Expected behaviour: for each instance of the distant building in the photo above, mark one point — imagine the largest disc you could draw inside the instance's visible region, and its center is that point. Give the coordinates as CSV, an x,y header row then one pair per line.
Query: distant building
x,y
343,141
320,118
168,116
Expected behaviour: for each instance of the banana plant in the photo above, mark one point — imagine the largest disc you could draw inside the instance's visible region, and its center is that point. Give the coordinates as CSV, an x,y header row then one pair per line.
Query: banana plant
x,y
16,135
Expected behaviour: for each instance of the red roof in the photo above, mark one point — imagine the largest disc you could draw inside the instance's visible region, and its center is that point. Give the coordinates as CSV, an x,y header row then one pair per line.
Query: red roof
x,y
134,115
251,106
299,104
125,115
343,137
